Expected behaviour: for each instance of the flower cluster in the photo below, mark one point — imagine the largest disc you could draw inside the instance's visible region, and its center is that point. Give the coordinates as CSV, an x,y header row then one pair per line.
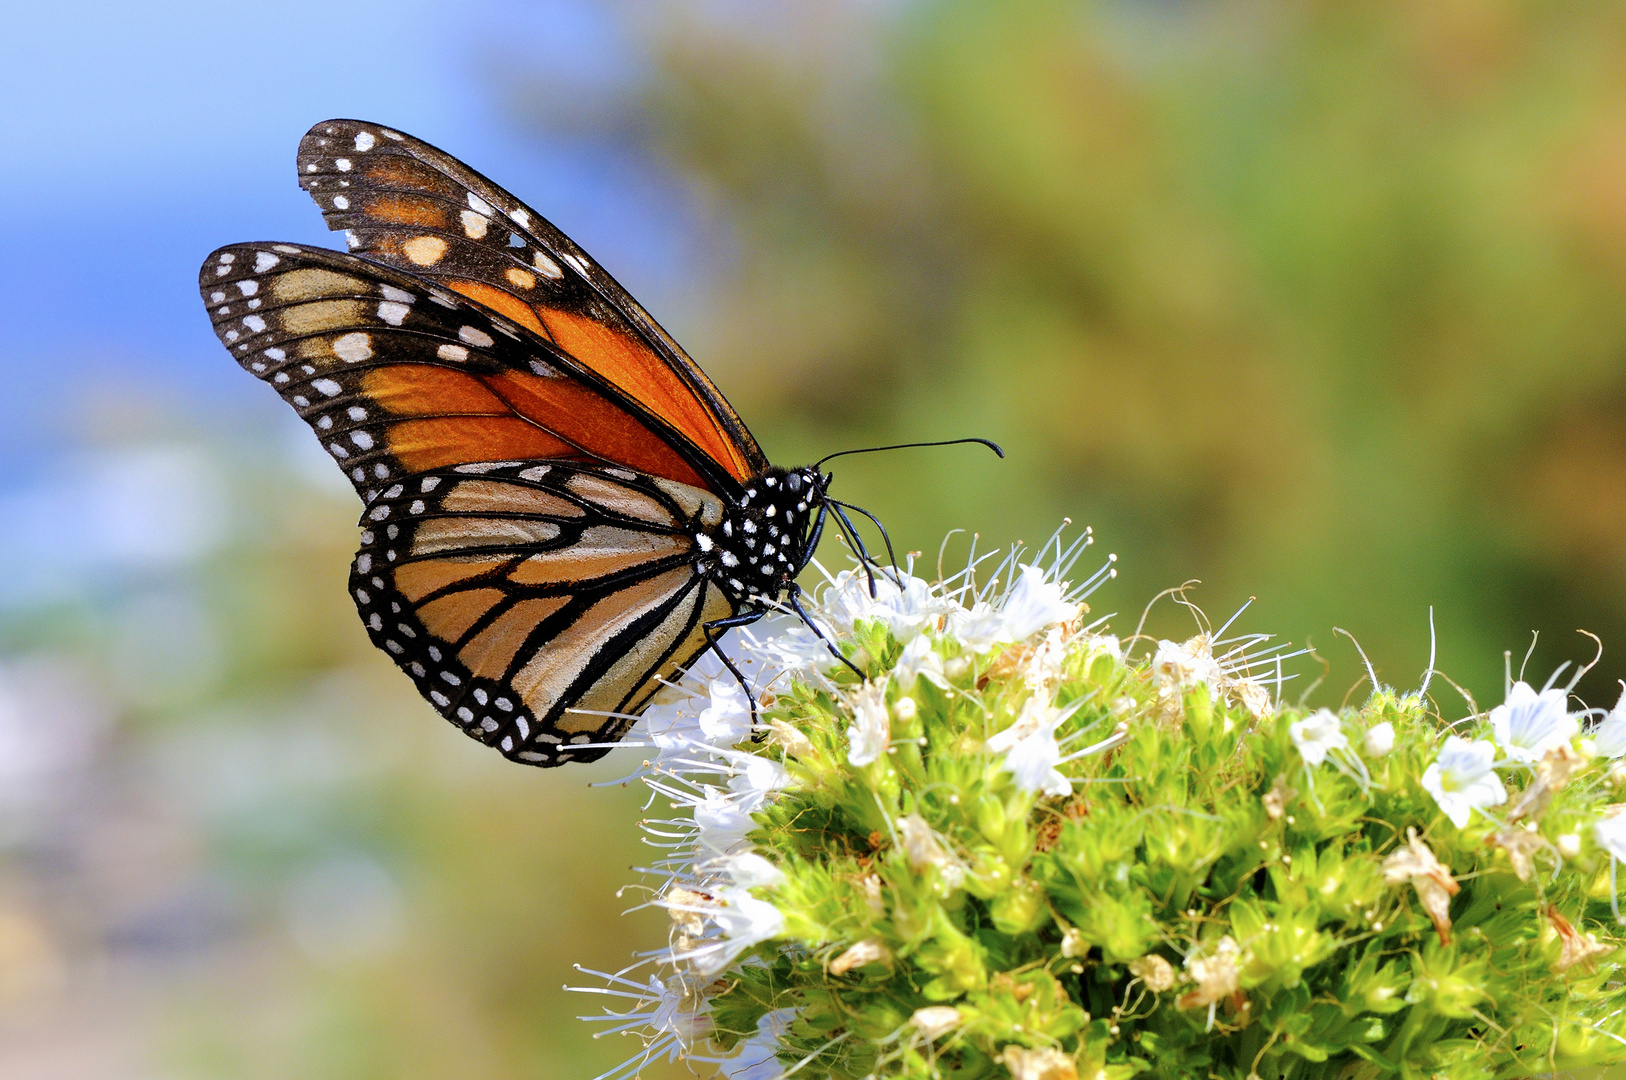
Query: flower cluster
x,y
966,832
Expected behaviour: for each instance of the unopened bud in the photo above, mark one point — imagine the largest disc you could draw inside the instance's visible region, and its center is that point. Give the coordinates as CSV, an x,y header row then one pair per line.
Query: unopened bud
x,y
868,951
1380,740
936,1021
1156,972
795,743
1043,1064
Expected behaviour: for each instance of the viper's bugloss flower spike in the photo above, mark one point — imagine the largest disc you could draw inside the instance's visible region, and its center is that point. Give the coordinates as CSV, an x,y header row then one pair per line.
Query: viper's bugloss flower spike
x,y
1013,851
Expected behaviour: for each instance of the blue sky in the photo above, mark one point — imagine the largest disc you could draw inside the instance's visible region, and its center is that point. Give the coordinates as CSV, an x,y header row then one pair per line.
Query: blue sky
x,y
140,137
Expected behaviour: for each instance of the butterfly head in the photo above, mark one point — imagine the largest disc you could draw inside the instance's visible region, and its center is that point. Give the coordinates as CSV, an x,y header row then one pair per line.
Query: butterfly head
x,y
767,536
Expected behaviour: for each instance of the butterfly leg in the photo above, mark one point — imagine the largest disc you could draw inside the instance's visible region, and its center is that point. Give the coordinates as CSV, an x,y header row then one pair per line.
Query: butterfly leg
x,y
713,631
891,556
794,595
813,537
845,527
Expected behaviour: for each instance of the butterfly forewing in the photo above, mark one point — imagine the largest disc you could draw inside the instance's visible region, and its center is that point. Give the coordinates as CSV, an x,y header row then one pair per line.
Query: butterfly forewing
x,y
397,375
405,203
537,605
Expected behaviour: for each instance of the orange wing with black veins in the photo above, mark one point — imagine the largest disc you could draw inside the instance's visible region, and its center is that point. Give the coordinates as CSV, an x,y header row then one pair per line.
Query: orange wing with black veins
x,y
406,204
396,375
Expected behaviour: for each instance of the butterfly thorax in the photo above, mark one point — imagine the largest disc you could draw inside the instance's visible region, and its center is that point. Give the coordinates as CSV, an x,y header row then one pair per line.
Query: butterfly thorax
x,y
763,541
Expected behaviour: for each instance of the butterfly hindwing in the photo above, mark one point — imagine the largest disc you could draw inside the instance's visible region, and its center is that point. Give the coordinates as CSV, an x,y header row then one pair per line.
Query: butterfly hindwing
x,y
402,202
531,600
397,375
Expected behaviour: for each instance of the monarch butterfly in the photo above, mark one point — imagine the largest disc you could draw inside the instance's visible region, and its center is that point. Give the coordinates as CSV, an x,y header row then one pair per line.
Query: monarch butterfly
x,y
561,510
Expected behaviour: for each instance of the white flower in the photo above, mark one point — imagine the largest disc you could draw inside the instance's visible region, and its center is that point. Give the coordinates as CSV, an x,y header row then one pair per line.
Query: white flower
x,y
1033,760
1529,724
756,778
678,1011
704,712
979,627
871,729
748,870
1610,834
1380,740
1033,603
919,659
1318,735
670,1014
1030,749
904,608
757,1058
1034,714
669,725
743,921
1183,665
1609,737
1462,779
672,724
781,645
740,921
723,820
722,817
727,719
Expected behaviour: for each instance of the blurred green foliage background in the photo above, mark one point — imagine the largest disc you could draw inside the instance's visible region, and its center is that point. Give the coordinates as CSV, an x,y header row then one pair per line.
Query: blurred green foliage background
x,y
1318,303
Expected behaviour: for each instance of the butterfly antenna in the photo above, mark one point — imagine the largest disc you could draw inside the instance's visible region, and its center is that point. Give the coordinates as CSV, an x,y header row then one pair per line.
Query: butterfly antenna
x,y
909,446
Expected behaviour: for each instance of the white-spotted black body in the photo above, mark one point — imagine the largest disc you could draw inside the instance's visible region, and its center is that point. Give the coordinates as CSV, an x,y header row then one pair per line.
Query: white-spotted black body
x,y
767,537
